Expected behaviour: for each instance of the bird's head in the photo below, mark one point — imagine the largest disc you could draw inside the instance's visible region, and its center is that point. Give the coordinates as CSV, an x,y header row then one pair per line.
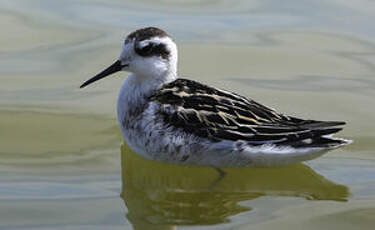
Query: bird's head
x,y
148,53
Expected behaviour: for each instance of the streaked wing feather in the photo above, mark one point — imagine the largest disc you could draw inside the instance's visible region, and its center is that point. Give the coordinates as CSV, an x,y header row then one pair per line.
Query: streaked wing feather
x,y
221,115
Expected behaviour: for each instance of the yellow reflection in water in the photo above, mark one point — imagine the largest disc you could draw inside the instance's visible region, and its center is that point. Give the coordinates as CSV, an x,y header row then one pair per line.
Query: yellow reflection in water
x,y
30,134
52,142
164,195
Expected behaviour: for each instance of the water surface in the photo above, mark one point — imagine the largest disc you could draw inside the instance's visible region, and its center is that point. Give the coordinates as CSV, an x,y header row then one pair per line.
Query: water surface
x,y
64,164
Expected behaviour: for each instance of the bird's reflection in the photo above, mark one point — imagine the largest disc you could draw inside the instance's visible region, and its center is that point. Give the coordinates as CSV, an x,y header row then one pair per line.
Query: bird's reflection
x,y
162,196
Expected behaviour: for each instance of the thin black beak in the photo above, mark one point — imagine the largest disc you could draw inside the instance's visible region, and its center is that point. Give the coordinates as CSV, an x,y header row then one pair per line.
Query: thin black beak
x,y
115,67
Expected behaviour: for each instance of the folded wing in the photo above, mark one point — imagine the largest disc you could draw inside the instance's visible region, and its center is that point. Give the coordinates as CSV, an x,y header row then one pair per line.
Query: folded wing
x,y
220,115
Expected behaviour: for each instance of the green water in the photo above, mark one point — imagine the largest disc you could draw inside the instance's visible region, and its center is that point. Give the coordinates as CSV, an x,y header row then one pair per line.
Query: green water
x,y
63,162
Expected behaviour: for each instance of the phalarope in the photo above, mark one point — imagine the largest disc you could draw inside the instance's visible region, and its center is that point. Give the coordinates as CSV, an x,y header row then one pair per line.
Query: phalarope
x,y
181,121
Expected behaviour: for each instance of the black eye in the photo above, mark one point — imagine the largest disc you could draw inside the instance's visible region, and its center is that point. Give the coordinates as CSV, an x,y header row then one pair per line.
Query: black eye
x,y
146,50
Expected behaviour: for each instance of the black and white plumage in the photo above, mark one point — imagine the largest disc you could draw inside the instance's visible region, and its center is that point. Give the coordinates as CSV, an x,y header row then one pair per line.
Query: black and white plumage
x,y
219,115
182,121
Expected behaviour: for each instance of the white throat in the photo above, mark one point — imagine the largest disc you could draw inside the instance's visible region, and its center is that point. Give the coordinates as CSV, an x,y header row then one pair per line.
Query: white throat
x,y
146,85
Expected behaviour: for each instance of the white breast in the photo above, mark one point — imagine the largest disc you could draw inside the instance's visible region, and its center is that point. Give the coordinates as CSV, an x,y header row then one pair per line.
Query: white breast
x,y
132,101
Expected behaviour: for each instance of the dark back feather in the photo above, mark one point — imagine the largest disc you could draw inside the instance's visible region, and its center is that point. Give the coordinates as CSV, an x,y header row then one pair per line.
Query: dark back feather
x,y
220,115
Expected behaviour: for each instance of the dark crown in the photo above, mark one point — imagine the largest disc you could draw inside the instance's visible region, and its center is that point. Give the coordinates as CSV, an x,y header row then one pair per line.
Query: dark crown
x,y
145,33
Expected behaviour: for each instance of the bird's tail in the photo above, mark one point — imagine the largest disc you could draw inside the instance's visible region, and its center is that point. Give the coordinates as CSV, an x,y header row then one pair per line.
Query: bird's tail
x,y
320,142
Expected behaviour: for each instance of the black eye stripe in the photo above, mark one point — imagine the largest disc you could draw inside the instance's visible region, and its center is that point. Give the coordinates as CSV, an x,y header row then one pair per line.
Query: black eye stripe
x,y
153,49
147,49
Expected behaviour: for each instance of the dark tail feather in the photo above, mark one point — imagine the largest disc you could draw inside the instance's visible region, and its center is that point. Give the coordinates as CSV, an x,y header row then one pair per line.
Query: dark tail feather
x,y
321,138
322,142
320,124
323,132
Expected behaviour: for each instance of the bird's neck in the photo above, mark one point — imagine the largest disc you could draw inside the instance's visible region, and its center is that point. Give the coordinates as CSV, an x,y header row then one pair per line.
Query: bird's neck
x,y
147,85
135,91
